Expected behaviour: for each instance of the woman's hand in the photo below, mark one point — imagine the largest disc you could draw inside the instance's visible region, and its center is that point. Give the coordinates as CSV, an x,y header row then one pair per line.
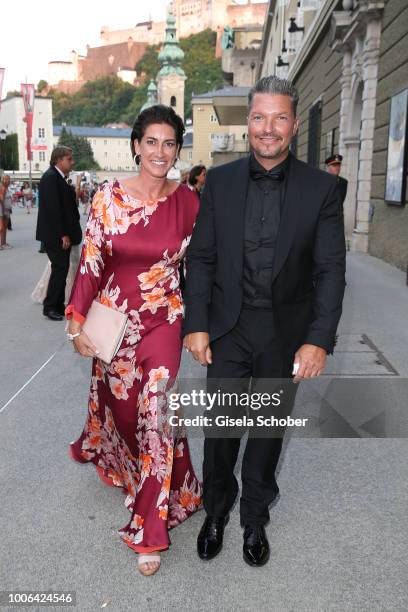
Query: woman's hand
x,y
82,343
84,346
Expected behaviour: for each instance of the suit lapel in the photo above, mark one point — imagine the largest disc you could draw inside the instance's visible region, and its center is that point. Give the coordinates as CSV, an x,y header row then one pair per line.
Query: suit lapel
x,y
288,222
237,196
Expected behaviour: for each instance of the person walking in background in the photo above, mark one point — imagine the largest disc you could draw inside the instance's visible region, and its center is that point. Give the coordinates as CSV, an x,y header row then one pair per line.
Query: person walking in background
x,y
333,164
6,207
27,196
196,178
58,227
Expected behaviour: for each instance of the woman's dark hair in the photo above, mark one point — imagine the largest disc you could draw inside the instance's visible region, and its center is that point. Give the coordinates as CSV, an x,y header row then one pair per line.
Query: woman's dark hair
x,y
159,113
194,173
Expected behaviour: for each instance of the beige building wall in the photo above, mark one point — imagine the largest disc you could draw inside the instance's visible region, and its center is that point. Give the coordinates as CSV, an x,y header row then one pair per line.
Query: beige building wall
x,y
171,88
111,153
206,126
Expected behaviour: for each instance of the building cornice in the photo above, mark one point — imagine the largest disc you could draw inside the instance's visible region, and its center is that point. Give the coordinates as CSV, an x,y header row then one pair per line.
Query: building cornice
x,y
312,37
265,35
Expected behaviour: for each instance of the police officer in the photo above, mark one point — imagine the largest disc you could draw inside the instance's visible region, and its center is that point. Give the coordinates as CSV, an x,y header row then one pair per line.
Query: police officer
x,y
333,164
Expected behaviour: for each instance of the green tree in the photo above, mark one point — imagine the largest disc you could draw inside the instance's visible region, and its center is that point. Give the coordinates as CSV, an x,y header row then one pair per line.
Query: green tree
x,y
98,102
9,152
42,84
82,150
110,100
203,70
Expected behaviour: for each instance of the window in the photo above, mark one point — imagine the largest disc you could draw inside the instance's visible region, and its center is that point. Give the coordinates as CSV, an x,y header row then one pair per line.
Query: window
x,y
42,156
173,101
210,155
105,142
314,133
118,155
213,118
190,155
94,141
41,132
106,155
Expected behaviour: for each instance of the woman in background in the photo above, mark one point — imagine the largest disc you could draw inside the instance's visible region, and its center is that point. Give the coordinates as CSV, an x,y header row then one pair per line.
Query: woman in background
x,y
5,210
196,178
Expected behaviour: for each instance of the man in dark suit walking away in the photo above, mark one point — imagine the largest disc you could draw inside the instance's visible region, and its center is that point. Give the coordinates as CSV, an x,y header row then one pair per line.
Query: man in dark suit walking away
x,y
58,227
264,291
333,164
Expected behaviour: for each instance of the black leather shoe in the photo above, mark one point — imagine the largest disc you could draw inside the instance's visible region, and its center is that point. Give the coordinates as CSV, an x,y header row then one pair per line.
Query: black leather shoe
x,y
256,545
209,541
53,315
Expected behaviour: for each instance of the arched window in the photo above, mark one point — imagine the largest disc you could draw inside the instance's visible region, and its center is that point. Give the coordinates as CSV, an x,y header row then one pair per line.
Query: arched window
x,y
173,101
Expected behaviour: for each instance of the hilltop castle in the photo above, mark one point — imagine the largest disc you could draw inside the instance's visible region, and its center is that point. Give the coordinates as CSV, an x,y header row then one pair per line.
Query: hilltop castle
x,y
120,50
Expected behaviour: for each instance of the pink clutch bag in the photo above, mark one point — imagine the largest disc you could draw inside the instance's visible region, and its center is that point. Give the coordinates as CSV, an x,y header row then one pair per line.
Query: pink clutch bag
x,y
105,327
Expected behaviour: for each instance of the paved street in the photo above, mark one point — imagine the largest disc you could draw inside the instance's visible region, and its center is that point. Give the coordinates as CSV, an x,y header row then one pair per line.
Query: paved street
x,y
338,533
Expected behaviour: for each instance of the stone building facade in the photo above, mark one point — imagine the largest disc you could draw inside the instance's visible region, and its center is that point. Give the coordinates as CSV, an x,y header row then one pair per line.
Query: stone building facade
x,y
347,62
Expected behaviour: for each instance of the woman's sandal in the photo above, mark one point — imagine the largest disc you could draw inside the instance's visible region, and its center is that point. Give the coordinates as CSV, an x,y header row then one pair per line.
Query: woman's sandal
x,y
148,564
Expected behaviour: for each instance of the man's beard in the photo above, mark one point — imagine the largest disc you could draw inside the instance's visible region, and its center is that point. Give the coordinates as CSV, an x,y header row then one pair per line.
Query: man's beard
x,y
270,154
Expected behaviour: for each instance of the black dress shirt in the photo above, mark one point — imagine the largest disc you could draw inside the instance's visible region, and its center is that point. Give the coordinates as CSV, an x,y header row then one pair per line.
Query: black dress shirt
x,y
264,202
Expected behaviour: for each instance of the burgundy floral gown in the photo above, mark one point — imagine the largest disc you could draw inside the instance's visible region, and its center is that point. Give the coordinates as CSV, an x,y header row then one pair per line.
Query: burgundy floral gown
x,y
130,261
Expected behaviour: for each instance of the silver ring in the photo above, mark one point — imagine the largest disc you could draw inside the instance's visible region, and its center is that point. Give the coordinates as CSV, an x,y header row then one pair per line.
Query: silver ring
x,y
187,350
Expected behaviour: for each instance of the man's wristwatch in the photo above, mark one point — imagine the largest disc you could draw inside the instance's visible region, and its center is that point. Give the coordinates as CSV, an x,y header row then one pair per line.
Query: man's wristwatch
x,y
72,336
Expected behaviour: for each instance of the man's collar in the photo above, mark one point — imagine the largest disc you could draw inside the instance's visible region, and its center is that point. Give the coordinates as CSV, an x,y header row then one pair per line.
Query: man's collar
x,y
61,173
255,165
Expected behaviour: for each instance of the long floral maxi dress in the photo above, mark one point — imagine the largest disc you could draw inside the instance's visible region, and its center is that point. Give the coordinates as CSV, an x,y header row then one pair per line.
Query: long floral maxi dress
x,y
130,261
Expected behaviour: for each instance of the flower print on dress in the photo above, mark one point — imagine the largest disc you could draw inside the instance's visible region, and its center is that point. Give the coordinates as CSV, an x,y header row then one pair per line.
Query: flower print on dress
x,y
126,434
184,499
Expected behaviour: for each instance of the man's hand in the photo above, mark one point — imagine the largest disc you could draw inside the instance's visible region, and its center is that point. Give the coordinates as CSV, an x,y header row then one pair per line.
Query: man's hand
x,y
311,360
198,344
66,242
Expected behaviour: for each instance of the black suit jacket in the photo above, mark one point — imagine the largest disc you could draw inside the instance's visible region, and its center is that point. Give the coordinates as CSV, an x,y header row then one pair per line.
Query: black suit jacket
x,y
343,184
58,213
309,267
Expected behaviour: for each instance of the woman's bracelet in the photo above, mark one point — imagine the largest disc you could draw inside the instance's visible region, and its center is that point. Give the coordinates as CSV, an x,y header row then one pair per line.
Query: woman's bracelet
x,y
72,336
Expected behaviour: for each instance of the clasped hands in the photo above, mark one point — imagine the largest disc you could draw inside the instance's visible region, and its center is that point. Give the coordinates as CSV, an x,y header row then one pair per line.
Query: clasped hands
x,y
311,358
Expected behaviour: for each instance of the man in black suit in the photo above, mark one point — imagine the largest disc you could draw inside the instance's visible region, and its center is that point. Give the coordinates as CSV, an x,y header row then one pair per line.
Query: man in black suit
x,y
264,291
333,164
58,227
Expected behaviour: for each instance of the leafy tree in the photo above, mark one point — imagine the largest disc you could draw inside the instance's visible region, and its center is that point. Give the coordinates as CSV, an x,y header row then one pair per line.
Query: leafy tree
x,y
82,150
202,69
9,152
96,103
110,100
42,84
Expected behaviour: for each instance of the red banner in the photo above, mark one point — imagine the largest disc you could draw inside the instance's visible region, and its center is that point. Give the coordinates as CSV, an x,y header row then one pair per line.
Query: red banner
x,y
28,92
1,83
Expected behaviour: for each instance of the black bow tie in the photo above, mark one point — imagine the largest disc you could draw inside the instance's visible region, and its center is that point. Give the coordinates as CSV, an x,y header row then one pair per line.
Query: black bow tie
x,y
278,175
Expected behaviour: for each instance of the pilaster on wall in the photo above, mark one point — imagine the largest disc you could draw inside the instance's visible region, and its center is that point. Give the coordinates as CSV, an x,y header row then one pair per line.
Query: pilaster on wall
x,y
357,36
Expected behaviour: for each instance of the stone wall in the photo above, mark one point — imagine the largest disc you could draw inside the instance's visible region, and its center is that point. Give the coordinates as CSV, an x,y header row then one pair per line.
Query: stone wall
x,y
388,237
320,80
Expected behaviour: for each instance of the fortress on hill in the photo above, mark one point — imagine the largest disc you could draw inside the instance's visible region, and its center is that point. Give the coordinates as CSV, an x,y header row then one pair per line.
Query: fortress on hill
x,y
120,50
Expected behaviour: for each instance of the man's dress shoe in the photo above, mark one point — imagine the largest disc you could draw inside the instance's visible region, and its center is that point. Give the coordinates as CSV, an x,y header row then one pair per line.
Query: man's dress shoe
x,y
53,315
209,541
256,546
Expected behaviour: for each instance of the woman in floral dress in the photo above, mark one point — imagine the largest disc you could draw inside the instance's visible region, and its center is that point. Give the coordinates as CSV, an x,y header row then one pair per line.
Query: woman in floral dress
x,y
137,233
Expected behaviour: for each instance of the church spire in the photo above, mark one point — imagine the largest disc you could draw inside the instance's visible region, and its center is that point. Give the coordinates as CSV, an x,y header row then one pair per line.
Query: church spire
x,y
171,56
